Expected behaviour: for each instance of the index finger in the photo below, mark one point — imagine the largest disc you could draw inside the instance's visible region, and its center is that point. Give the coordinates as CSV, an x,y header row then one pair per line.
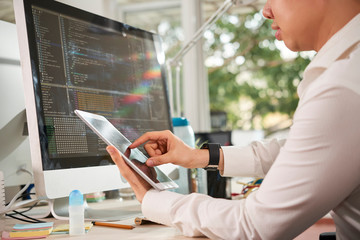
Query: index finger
x,y
153,136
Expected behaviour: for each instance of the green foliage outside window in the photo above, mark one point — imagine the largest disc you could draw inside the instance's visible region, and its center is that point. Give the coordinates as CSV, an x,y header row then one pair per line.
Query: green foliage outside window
x,y
249,78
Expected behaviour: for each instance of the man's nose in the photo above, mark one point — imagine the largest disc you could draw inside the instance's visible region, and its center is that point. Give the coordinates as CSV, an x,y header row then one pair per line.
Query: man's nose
x,y
267,12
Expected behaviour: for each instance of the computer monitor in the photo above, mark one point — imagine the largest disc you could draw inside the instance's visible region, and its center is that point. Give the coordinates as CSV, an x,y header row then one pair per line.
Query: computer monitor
x,y
14,141
72,59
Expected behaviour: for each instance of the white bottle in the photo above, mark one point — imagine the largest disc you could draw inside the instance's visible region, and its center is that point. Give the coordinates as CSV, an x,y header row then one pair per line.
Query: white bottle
x,y
184,131
76,213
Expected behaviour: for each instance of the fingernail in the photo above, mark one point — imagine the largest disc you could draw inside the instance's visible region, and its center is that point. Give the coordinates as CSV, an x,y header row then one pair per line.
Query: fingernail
x,y
110,150
150,163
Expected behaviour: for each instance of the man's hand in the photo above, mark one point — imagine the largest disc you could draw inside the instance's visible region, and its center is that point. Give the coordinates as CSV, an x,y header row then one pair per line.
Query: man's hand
x,y
164,147
149,171
137,183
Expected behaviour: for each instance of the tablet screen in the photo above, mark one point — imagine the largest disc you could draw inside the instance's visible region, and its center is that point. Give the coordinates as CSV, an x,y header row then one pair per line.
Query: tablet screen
x,y
134,157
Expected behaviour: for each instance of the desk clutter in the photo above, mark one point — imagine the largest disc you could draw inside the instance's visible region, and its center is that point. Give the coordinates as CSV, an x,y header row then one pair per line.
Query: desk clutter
x,y
29,231
38,230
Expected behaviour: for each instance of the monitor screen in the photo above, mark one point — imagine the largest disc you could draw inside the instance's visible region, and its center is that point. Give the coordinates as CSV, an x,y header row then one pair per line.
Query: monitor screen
x,y
73,59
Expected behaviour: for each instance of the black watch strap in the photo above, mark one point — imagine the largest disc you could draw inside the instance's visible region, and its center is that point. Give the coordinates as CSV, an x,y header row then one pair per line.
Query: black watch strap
x,y
214,155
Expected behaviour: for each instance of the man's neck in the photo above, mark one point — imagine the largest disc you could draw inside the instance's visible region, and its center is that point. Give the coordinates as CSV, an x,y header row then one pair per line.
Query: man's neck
x,y
334,20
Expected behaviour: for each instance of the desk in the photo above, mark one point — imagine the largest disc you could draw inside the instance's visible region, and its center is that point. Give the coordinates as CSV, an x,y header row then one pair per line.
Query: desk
x,y
156,232
147,231
152,231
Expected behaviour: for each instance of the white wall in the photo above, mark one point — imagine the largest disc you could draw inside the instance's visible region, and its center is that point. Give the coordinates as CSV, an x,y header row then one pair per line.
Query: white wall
x,y
14,147
195,90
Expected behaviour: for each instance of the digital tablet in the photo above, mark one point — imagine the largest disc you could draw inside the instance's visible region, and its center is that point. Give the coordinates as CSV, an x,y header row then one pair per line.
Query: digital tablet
x,y
133,157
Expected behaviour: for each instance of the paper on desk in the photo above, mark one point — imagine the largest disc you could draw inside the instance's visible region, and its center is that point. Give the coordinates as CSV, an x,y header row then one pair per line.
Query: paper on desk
x,y
6,236
31,230
32,226
64,228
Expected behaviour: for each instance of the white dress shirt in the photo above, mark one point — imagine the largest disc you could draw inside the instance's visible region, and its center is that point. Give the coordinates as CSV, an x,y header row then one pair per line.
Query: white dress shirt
x,y
317,169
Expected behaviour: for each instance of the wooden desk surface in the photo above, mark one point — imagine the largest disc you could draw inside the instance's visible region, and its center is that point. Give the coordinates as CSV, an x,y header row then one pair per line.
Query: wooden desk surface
x,y
152,231
147,231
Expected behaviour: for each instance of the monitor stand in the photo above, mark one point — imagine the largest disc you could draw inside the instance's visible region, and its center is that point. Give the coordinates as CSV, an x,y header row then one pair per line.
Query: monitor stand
x,y
107,210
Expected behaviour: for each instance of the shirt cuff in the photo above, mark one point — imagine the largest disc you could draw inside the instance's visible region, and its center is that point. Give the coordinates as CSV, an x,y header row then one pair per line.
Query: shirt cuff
x,y
238,161
156,205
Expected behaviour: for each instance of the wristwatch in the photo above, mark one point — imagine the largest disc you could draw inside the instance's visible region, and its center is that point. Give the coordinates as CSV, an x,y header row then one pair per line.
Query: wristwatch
x,y
214,155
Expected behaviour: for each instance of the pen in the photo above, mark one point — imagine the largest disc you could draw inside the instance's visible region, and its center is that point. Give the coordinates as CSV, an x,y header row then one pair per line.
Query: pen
x,y
115,225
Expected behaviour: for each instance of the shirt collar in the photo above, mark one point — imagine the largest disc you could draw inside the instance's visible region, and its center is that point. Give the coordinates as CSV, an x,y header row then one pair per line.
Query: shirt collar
x,y
335,47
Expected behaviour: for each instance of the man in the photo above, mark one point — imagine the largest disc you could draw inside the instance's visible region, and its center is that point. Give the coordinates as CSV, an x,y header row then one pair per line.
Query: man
x,y
317,169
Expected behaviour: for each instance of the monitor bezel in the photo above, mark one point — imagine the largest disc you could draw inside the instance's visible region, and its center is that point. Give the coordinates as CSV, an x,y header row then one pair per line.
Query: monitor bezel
x,y
85,179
